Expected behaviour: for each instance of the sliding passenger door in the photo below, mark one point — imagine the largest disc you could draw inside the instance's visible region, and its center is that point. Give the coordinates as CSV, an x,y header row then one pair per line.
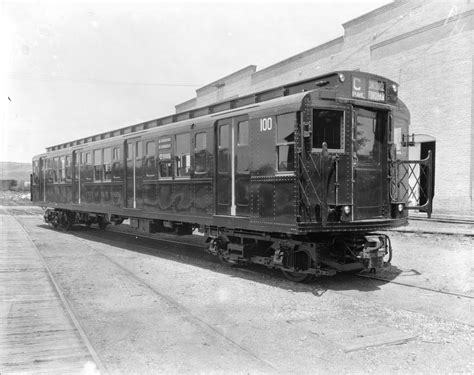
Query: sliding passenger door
x,y
232,175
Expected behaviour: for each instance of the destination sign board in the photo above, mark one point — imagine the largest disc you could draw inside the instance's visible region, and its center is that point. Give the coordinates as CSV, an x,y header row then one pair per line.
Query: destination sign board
x,y
370,89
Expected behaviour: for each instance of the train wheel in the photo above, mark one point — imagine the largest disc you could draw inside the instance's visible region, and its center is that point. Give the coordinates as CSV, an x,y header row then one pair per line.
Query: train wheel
x,y
224,258
298,277
66,221
102,222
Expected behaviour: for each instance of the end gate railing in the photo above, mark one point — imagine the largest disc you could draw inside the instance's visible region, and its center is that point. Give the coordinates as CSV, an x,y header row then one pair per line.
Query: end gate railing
x,y
412,181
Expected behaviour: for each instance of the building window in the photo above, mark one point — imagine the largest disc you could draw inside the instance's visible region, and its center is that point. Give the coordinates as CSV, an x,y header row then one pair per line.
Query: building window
x,y
97,165
286,142
164,156
200,153
183,155
328,126
150,152
107,164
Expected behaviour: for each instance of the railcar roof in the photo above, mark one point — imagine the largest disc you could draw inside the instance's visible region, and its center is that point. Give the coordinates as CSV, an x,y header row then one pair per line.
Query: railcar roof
x,y
287,102
285,92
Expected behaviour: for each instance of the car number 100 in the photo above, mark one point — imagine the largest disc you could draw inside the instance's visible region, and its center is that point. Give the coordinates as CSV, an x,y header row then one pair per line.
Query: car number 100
x,y
266,124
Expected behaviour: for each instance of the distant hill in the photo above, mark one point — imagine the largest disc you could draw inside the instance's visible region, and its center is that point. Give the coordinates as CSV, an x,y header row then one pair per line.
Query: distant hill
x,y
10,170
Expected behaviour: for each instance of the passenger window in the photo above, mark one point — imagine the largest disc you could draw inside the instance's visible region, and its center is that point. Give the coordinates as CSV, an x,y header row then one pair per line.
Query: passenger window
x,y
224,140
242,153
243,133
164,156
107,164
328,126
35,173
86,166
116,154
129,151
200,153
62,169
68,169
183,155
150,159
116,163
139,150
97,165
286,141
56,170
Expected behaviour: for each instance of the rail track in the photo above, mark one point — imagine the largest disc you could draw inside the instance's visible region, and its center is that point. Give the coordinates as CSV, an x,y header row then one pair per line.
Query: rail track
x,y
255,272
190,316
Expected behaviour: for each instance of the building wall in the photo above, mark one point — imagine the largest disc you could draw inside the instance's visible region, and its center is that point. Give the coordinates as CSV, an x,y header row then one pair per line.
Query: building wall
x,y
425,46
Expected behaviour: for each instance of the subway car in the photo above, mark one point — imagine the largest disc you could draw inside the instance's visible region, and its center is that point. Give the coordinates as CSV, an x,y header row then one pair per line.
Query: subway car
x,y
298,177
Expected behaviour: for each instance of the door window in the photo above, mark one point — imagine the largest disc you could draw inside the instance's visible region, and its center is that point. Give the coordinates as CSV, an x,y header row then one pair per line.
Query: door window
x,y
367,139
183,155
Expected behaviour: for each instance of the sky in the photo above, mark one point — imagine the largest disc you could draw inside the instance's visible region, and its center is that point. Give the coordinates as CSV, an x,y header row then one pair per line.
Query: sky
x,y
70,69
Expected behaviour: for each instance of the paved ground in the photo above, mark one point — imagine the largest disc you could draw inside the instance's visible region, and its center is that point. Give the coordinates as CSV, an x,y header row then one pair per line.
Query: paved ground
x,y
149,306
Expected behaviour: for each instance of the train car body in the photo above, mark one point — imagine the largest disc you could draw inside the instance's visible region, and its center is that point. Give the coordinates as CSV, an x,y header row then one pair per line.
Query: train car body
x,y
297,177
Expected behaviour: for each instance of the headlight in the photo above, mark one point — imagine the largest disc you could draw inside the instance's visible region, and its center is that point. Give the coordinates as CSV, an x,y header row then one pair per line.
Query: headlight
x,y
342,77
394,88
401,207
347,210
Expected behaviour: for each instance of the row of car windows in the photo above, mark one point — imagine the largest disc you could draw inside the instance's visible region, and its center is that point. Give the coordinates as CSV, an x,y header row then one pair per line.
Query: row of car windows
x,y
155,156
160,159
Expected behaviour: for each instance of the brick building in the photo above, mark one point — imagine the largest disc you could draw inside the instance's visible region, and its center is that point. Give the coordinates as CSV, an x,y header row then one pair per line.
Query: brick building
x,y
425,46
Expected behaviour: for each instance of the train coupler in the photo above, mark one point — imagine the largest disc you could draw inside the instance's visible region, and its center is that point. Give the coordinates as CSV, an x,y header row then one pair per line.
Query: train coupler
x,y
376,253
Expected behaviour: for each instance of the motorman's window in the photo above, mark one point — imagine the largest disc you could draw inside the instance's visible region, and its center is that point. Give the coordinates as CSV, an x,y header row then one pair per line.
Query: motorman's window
x,y
200,153
164,156
107,164
286,142
183,155
97,165
328,126
150,152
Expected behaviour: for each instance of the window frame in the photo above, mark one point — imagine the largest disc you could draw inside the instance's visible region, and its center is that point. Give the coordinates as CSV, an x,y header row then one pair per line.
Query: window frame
x,y
201,152
178,157
342,130
148,156
284,144
165,146
97,167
